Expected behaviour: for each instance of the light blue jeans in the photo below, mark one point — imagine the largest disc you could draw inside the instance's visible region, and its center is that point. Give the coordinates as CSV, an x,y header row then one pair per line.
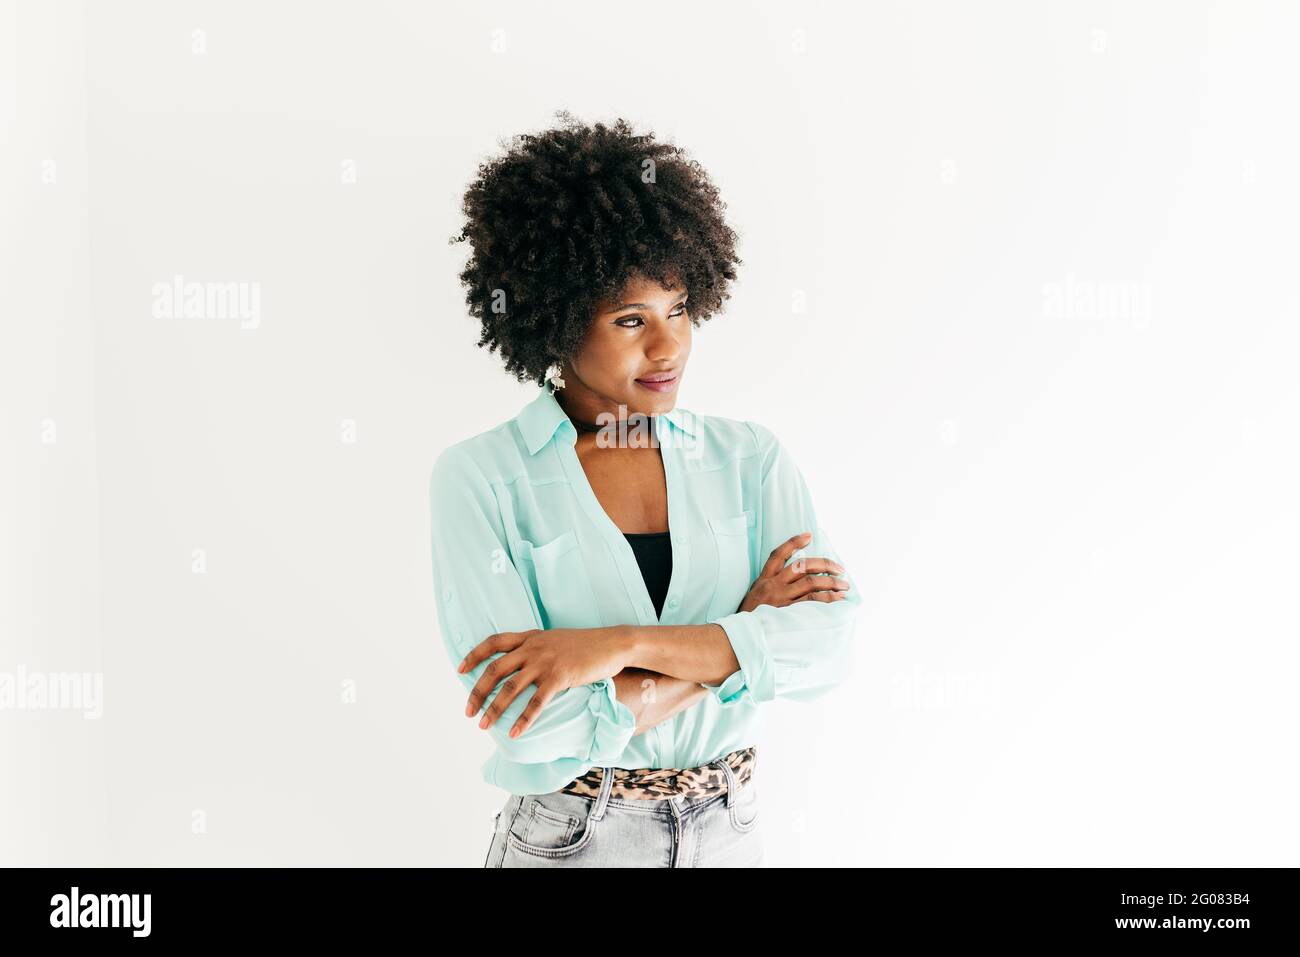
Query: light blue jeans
x,y
558,829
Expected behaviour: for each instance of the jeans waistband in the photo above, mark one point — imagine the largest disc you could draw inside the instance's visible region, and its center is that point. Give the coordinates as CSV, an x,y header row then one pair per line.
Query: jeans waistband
x,y
728,772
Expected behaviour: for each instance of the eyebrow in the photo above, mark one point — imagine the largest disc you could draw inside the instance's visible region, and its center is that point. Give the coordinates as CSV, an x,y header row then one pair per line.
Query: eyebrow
x,y
642,305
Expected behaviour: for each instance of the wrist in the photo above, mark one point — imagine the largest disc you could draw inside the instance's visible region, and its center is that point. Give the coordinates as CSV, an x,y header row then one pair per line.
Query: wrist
x,y
628,644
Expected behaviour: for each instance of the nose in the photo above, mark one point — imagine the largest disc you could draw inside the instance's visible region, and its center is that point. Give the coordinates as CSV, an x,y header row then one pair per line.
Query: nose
x,y
664,347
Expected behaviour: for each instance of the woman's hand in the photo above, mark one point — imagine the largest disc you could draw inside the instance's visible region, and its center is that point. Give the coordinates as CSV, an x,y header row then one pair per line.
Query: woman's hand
x,y
807,579
553,660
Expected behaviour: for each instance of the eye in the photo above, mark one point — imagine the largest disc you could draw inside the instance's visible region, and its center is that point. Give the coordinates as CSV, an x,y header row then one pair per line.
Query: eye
x,y
676,313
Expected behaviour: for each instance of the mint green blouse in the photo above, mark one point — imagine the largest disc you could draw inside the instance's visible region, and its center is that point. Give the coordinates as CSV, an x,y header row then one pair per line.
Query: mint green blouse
x,y
520,541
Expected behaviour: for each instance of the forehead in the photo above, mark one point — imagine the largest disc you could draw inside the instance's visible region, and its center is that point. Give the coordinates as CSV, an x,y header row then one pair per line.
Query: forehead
x,y
642,289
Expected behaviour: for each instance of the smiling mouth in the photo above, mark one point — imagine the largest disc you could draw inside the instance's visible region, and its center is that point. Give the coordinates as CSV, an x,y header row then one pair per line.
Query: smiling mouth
x,y
658,385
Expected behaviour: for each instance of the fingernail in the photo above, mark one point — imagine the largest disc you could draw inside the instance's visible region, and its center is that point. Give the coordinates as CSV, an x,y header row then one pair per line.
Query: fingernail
x,y
514,732
483,723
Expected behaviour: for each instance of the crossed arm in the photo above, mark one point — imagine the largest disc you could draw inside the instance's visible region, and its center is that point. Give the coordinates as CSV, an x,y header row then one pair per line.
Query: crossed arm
x,y
659,670
593,695
654,697
661,683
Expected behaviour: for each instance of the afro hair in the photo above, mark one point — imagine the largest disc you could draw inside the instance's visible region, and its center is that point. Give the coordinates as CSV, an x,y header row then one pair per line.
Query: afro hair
x,y
565,218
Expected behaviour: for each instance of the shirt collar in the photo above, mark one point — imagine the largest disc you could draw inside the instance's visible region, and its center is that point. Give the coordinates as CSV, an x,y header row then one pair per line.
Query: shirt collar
x,y
540,418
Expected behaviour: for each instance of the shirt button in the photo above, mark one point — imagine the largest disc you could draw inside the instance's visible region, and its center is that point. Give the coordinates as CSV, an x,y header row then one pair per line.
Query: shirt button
x,y
672,602
446,594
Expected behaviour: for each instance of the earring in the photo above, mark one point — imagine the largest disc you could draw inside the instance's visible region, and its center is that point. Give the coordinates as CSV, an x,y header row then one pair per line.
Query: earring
x,y
553,378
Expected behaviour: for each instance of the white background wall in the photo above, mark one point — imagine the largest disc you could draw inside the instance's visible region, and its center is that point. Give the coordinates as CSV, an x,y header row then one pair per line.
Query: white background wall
x,y
1019,288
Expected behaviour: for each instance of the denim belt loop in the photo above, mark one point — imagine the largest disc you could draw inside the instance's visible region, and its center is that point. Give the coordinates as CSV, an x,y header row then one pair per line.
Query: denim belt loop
x,y
732,783
602,800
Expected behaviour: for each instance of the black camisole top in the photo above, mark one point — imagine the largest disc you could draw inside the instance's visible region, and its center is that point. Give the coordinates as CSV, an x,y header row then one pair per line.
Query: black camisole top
x,y
654,553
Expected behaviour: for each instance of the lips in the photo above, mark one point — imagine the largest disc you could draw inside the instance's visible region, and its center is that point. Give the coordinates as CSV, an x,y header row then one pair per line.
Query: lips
x,y
659,382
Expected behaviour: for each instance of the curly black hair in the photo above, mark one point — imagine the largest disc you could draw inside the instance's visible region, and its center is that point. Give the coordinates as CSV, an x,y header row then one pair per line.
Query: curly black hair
x,y
566,217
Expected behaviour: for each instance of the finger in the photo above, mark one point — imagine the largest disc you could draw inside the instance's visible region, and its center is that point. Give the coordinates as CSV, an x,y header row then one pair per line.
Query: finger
x,y
817,583
511,688
489,646
824,566
823,596
781,554
497,670
828,583
531,710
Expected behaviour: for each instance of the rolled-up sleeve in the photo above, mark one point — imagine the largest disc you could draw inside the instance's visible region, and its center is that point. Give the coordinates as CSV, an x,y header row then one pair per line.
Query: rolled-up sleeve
x,y
802,650
479,592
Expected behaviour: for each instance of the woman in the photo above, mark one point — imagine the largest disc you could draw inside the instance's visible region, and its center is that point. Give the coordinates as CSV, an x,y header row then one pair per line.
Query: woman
x,y
621,583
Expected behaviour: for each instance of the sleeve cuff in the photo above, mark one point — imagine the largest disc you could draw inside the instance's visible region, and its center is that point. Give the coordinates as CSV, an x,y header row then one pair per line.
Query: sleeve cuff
x,y
615,723
755,676
731,689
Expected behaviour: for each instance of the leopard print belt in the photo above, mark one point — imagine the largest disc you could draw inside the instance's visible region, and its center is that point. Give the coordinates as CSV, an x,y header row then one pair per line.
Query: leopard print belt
x,y
657,784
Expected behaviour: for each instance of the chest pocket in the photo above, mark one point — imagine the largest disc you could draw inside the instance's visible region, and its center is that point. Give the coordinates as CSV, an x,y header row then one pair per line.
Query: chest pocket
x,y
731,537
567,598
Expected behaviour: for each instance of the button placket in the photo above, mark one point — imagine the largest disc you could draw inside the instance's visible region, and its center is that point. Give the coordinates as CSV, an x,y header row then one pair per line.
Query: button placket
x,y
677,510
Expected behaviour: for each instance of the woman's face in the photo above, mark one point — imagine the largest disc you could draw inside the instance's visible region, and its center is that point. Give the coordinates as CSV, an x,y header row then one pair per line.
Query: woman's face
x,y
646,332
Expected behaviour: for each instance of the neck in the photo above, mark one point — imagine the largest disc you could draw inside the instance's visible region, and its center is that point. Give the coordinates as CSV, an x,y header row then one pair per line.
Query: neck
x,y
585,419
634,422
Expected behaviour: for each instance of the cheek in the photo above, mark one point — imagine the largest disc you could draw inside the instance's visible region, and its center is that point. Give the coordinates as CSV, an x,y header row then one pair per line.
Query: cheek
x,y
606,361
